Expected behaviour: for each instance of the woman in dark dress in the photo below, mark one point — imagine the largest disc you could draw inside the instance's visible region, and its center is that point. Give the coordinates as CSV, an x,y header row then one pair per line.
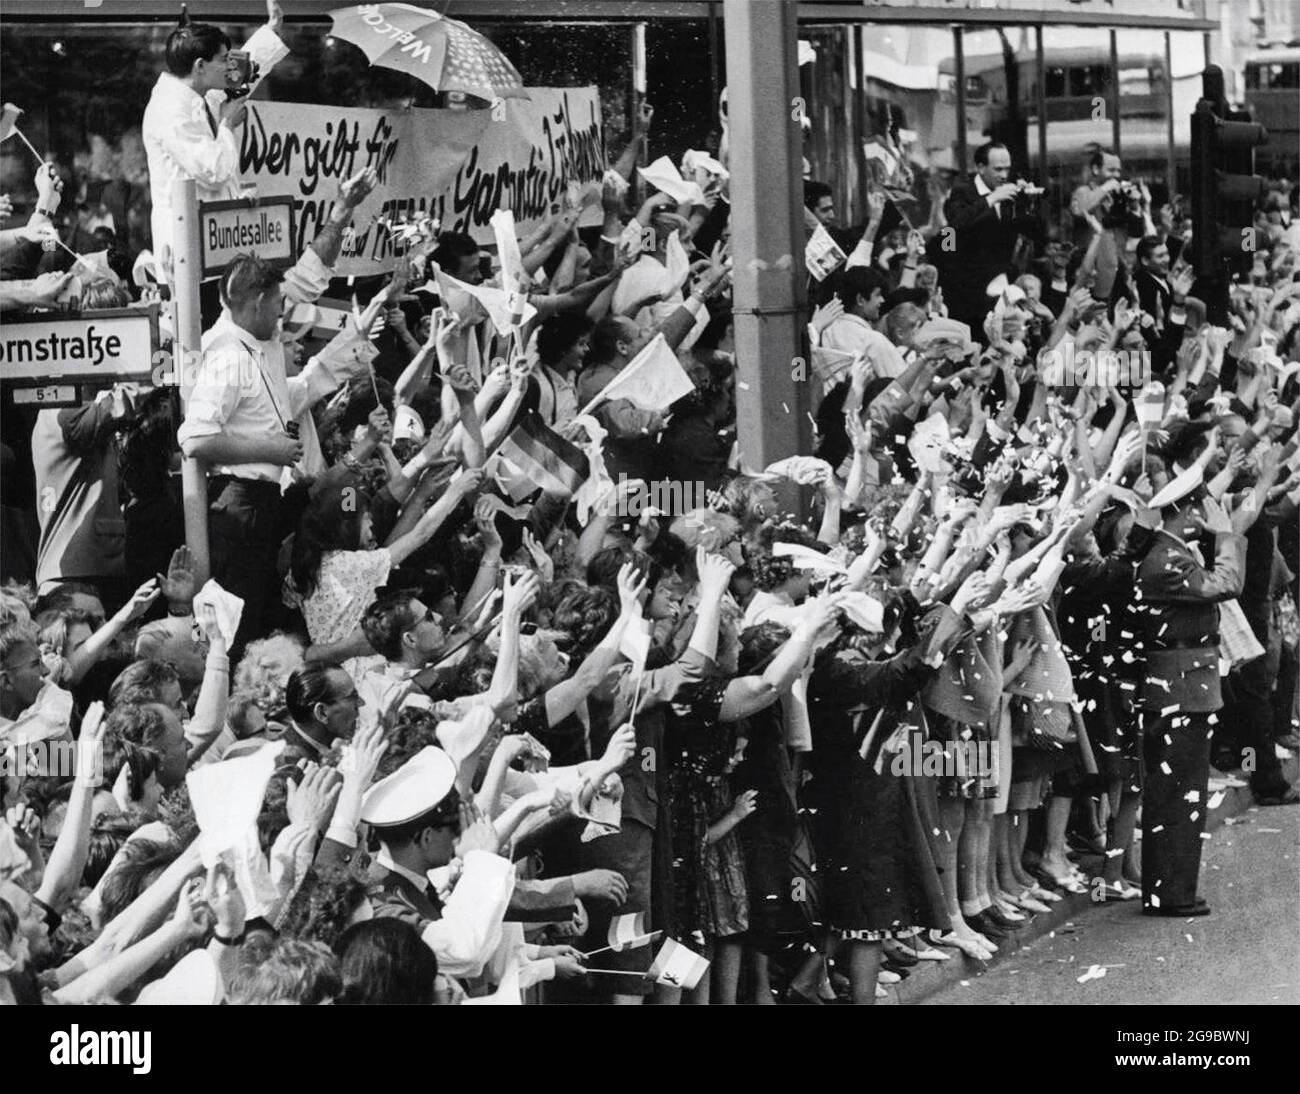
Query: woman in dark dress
x,y
872,843
710,887
784,901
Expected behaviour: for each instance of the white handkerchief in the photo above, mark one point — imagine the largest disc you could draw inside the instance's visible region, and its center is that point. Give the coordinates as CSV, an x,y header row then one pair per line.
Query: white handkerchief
x,y
805,558
663,176
228,606
227,797
800,469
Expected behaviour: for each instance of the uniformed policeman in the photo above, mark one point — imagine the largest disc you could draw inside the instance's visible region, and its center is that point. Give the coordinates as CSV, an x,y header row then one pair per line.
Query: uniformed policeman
x,y
1178,599
422,825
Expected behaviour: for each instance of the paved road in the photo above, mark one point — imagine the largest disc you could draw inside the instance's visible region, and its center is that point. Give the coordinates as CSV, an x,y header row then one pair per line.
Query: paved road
x,y
1248,951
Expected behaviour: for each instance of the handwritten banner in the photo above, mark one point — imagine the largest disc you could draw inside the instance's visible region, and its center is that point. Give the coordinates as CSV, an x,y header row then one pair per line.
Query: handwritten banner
x,y
457,166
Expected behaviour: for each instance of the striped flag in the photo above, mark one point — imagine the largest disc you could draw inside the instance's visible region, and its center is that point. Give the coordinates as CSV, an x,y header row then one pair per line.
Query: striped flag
x,y
677,966
544,457
627,932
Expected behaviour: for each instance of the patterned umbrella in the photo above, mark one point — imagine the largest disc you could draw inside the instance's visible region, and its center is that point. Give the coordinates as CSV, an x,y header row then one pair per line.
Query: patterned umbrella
x,y
446,54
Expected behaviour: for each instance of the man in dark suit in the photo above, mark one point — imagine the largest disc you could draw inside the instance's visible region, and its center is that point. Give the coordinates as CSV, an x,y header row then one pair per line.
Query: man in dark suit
x,y
984,213
1160,297
1178,611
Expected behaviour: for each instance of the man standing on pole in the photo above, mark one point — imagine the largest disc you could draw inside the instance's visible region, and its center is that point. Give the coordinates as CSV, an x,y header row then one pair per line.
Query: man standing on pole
x,y
190,122
240,417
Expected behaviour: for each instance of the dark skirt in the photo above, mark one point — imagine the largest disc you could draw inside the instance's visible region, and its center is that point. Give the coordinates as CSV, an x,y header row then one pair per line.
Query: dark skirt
x,y
784,894
873,836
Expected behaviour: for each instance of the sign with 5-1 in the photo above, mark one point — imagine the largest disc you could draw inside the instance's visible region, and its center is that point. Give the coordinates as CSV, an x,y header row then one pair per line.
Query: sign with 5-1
x,y
55,395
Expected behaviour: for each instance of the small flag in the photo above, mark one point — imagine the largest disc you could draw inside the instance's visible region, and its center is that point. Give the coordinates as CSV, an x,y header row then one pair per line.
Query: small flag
x,y
635,646
1151,405
627,932
677,966
544,457
96,267
9,121
514,280
653,380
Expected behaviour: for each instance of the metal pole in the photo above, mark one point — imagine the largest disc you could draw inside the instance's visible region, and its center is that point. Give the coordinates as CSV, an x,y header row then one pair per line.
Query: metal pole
x,y
1171,167
959,72
1113,104
1043,175
187,272
767,235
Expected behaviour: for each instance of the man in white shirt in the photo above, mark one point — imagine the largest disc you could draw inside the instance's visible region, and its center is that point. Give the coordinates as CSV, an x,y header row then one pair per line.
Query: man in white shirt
x,y
241,411
862,291
409,636
189,125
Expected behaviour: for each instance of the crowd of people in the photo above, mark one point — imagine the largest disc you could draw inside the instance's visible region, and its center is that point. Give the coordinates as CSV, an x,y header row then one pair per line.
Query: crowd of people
x,y
514,738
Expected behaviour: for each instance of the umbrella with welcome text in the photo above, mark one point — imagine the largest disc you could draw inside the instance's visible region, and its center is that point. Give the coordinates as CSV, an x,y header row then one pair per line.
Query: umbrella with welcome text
x,y
444,53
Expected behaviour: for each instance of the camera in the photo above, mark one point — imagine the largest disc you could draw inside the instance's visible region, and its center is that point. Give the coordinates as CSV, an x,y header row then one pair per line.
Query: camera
x,y
241,71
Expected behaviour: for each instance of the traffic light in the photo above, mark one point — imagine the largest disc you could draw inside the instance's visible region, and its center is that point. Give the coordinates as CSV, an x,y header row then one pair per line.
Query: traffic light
x,y
1225,188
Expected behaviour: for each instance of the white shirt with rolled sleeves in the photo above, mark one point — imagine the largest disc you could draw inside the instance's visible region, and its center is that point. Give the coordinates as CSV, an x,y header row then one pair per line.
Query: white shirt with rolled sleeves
x,y
179,142
229,396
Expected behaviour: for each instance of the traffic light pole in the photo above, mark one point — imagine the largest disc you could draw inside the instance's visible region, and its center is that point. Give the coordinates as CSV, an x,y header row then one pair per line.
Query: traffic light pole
x,y
1225,191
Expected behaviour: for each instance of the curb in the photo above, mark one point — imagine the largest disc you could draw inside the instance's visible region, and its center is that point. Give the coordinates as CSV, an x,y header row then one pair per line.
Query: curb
x,y
929,978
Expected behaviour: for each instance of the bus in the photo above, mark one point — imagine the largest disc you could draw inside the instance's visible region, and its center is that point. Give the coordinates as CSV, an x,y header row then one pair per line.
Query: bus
x,y
1272,79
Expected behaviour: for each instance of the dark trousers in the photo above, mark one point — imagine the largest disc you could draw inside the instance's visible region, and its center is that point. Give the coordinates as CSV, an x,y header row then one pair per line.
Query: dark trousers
x,y
243,544
1251,711
1176,751
1288,674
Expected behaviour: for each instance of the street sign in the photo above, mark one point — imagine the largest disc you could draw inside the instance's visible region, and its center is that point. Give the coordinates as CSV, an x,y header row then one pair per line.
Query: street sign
x,y
229,228
95,348
55,395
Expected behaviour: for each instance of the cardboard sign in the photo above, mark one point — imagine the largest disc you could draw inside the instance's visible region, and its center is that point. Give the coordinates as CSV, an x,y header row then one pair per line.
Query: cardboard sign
x,y
96,348
232,228
457,167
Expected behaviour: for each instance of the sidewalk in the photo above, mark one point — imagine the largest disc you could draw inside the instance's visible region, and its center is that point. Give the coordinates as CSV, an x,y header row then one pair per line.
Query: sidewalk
x,y
931,977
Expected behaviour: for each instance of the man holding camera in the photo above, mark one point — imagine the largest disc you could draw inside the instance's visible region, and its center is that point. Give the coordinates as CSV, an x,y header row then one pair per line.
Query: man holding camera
x,y
196,106
1121,207
989,213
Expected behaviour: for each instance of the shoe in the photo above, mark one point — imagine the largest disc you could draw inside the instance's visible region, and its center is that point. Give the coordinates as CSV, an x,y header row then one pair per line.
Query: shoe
x,y
1047,896
994,914
989,928
1069,883
929,953
899,954
1288,797
885,976
880,992
969,947
1179,911
1029,903
1119,890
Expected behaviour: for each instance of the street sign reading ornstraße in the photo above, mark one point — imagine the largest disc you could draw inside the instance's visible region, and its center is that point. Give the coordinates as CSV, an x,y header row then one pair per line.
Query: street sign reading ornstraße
x,y
94,348
230,228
